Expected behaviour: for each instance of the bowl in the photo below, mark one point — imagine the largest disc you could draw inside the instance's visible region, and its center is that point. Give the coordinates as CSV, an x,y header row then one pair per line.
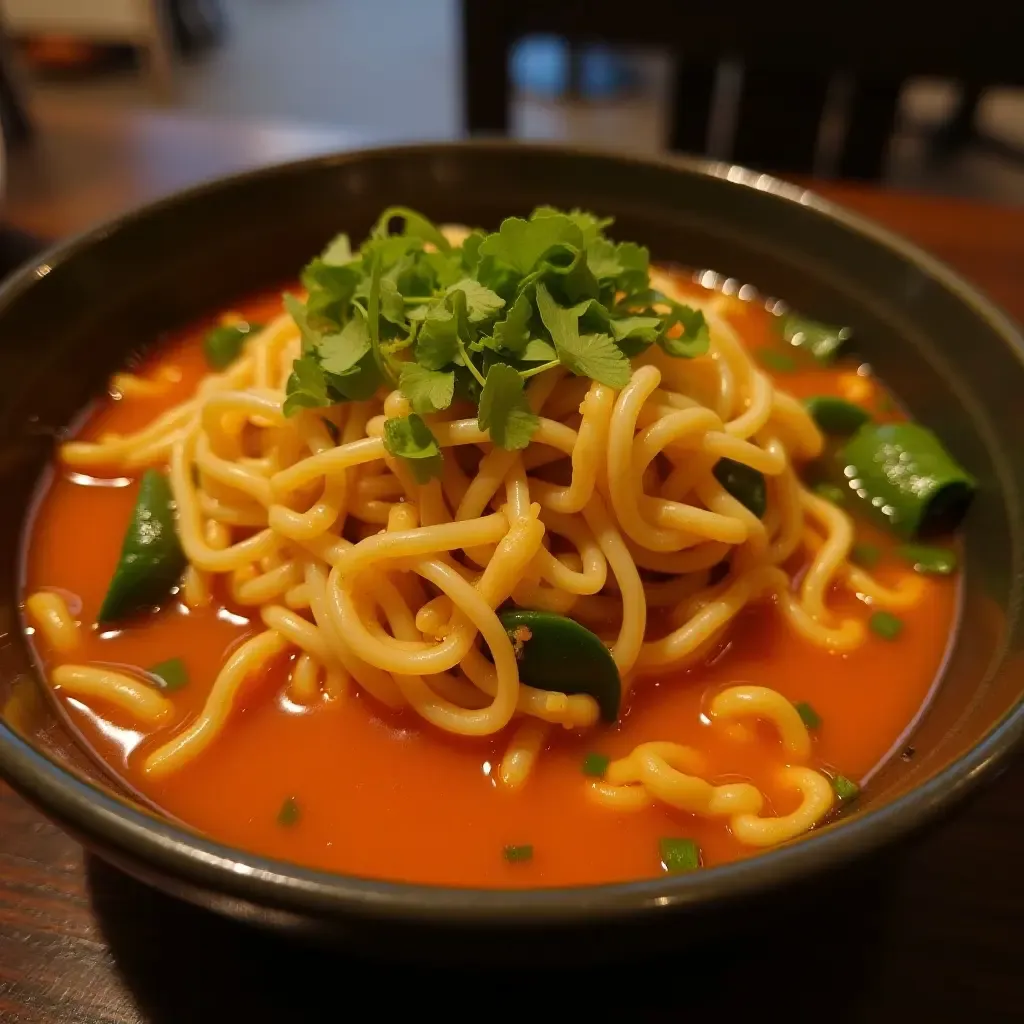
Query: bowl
x,y
70,318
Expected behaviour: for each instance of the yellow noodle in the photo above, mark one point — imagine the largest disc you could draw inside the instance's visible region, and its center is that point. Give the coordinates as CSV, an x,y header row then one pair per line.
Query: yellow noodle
x,y
249,659
817,798
49,613
523,751
132,695
392,587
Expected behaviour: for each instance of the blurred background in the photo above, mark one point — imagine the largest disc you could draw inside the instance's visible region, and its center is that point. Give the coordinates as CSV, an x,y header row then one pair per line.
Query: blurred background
x,y
109,102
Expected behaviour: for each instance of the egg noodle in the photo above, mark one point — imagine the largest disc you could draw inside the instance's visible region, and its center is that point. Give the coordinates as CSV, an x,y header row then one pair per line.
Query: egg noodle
x,y
406,609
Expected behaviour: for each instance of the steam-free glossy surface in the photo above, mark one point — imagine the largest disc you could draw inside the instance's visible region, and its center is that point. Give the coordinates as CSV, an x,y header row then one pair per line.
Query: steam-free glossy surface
x,y
385,795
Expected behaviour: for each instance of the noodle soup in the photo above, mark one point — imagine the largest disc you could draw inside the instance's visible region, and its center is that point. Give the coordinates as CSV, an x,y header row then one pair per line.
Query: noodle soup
x,y
649,595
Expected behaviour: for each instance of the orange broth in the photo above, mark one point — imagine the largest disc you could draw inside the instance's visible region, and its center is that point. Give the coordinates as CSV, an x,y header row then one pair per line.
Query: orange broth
x,y
383,794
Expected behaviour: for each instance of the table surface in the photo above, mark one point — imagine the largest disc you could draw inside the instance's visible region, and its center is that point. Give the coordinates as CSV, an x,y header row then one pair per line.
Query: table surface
x,y
934,931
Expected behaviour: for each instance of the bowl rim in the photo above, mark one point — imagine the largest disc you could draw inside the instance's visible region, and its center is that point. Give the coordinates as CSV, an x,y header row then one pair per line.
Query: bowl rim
x,y
128,833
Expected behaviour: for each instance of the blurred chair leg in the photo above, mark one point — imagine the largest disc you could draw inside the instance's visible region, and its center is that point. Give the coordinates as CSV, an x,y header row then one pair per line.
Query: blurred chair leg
x,y
960,129
779,119
159,47
486,83
870,123
14,114
693,93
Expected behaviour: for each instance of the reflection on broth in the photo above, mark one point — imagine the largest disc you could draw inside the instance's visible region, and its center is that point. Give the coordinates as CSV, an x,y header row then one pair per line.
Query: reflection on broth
x,y
497,560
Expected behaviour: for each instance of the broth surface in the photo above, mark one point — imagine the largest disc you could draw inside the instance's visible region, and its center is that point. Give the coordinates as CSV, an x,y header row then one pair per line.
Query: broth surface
x,y
383,794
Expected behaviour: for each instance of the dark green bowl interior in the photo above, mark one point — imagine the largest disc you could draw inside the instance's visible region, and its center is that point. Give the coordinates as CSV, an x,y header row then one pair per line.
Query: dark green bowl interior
x,y
950,357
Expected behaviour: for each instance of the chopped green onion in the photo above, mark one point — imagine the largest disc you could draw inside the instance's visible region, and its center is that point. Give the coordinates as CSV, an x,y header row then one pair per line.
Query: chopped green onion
x,y
928,560
808,715
172,674
836,415
886,625
518,854
823,341
844,788
596,765
780,362
290,812
865,555
679,855
830,492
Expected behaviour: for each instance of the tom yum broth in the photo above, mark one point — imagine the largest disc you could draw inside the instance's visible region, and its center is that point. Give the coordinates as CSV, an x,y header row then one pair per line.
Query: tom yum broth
x,y
496,559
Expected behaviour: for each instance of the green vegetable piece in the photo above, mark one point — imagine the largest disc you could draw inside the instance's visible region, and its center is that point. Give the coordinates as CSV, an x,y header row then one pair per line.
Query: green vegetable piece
x,y
886,625
679,855
865,555
928,560
409,438
504,411
808,715
823,341
151,561
170,674
830,492
845,789
836,415
427,390
903,473
556,653
332,429
290,812
695,339
518,854
780,362
744,483
223,345
589,355
595,765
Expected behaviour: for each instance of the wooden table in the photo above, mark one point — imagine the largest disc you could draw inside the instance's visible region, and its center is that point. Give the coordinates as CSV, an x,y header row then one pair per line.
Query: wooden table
x,y
933,932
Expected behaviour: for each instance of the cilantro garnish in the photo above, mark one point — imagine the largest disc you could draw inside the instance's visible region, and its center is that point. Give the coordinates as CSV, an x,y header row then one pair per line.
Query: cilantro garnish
x,y
474,322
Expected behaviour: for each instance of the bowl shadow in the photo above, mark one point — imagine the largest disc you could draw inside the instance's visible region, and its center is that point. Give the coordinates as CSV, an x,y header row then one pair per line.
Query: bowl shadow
x,y
805,948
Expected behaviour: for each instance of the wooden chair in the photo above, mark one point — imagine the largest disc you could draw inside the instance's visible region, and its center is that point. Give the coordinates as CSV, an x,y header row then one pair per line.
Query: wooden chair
x,y
791,67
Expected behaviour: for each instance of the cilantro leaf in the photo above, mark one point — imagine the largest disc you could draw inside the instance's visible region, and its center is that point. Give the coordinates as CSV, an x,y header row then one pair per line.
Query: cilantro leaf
x,y
297,311
695,339
409,438
504,410
603,259
592,355
306,388
635,262
590,226
415,225
640,328
538,351
520,243
437,344
427,390
338,252
373,304
471,250
339,353
358,384
481,302
513,333
392,305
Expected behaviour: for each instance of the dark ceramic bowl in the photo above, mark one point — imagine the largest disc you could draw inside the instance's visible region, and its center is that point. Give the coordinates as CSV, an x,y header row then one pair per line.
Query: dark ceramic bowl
x,y
69,320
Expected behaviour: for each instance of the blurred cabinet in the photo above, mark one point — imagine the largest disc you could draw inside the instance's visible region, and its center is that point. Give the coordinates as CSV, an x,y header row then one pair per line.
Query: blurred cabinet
x,y
140,23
